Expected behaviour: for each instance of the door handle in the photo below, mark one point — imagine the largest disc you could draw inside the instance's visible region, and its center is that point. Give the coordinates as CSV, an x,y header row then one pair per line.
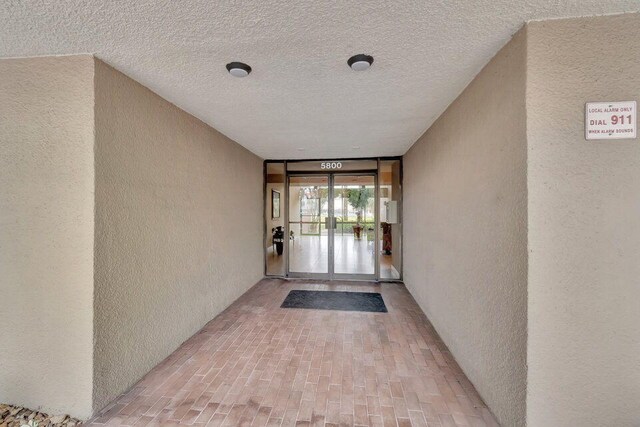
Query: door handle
x,y
332,220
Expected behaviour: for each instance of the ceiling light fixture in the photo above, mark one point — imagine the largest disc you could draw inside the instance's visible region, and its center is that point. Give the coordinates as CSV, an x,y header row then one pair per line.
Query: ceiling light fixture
x,y
238,69
360,62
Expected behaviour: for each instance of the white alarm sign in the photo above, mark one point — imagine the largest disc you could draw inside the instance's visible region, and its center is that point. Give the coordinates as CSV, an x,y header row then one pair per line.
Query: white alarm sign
x,y
610,120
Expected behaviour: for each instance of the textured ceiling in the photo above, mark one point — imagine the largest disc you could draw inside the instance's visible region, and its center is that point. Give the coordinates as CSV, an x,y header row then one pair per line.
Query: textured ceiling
x,y
301,100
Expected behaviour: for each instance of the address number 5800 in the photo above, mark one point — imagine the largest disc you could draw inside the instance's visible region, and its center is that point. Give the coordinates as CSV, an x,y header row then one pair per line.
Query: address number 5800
x,y
331,165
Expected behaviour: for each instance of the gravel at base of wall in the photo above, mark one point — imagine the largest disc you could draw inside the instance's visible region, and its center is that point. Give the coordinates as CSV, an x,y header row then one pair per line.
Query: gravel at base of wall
x,y
16,416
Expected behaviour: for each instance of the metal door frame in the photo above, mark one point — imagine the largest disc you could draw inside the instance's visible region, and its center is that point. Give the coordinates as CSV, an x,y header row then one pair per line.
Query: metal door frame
x,y
376,215
307,275
331,274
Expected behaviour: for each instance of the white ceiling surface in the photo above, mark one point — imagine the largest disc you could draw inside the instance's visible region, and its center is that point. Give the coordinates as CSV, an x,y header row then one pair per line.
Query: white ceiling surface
x,y
301,100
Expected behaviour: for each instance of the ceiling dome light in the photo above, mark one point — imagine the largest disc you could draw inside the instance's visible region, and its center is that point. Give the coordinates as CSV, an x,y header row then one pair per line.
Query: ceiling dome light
x,y
360,62
238,69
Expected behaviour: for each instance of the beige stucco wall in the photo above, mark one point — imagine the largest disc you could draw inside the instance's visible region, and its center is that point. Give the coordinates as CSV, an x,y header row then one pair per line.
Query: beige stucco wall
x,y
178,228
46,233
465,216
584,227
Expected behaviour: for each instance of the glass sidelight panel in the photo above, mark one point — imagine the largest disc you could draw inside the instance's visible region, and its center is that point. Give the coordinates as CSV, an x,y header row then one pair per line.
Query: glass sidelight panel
x,y
354,245
308,216
390,245
274,219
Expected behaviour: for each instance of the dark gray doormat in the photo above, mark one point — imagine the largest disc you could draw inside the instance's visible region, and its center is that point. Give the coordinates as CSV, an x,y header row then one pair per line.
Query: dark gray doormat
x,y
335,300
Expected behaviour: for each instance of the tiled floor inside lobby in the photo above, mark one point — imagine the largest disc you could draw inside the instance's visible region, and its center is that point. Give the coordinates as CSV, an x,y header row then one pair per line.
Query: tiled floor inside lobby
x,y
258,364
309,254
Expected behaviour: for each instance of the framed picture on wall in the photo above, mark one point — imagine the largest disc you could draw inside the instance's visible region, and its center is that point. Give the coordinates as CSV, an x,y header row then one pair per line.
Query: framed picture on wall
x,y
275,204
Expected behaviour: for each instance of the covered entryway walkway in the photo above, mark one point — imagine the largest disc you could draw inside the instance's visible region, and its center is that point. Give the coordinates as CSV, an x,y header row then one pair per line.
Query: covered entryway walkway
x,y
259,364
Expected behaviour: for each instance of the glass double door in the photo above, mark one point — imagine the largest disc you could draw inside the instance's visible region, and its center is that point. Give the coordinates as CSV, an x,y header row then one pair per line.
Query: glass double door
x,y
332,226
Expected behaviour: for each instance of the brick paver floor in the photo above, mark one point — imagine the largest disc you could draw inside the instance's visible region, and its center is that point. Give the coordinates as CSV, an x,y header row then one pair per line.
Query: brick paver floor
x,y
257,364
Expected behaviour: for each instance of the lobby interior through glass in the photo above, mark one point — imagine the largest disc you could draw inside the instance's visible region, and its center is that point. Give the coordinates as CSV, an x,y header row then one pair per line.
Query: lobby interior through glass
x,y
338,219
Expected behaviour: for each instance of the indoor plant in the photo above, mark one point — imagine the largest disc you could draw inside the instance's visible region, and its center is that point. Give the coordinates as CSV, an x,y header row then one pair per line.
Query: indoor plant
x,y
359,199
